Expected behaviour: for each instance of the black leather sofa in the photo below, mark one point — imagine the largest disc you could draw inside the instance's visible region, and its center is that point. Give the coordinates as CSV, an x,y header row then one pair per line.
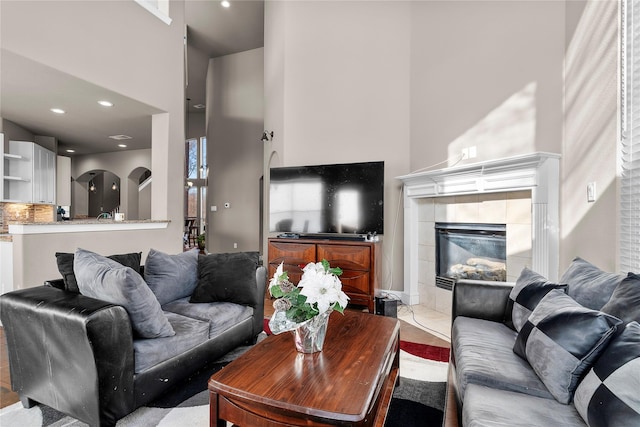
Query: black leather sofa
x,y
76,354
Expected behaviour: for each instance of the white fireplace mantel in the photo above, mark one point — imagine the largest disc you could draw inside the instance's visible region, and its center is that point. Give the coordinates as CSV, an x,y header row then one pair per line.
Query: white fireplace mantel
x,y
538,172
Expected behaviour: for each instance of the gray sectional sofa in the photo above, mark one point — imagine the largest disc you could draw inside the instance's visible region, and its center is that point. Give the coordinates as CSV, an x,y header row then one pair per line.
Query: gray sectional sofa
x,y
537,353
112,336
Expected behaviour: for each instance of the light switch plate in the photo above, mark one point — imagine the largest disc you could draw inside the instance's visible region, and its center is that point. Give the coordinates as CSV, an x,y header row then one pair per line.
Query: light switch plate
x,y
591,192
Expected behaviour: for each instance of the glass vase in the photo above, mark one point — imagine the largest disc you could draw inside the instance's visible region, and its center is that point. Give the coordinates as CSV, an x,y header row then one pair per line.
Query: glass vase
x,y
309,336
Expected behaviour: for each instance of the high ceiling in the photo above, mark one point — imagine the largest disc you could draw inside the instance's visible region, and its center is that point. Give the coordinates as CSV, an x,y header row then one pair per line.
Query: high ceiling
x,y
214,31
28,89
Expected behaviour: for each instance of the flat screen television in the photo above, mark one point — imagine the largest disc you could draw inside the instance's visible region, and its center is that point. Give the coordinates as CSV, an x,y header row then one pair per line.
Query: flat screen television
x,y
338,199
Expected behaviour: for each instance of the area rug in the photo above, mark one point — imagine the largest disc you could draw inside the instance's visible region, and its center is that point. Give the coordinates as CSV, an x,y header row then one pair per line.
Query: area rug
x,y
417,401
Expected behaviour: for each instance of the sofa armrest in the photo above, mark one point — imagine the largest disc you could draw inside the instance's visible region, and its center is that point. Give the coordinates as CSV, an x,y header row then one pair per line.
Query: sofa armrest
x,y
258,313
56,283
70,352
480,299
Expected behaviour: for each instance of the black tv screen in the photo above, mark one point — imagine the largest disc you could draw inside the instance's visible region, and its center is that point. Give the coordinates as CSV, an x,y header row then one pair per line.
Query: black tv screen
x,y
339,198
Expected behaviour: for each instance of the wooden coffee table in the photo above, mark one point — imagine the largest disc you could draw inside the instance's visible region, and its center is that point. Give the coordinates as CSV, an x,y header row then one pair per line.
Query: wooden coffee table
x,y
348,383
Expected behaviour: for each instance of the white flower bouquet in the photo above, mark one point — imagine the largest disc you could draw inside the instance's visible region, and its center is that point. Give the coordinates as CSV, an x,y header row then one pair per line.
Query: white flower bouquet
x,y
314,298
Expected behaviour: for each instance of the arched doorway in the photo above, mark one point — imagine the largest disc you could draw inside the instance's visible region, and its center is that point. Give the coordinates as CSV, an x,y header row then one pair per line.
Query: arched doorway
x,y
100,194
139,194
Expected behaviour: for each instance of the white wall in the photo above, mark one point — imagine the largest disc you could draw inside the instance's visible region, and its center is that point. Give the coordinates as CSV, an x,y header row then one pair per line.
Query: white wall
x,y
14,132
144,202
124,48
120,46
197,125
485,74
41,249
411,83
590,230
234,128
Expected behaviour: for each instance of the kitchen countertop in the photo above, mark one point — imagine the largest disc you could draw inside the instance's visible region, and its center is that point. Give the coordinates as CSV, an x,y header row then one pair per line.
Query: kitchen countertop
x,y
89,221
84,225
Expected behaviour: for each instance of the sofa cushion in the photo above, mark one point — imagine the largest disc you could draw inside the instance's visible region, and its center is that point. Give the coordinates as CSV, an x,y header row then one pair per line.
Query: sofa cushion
x,y
529,289
483,354
65,267
219,315
625,301
561,340
171,277
589,285
608,395
486,406
229,277
189,333
102,278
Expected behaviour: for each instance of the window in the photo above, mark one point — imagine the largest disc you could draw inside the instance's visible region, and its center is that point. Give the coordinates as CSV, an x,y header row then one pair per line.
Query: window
x,y
630,137
159,8
196,174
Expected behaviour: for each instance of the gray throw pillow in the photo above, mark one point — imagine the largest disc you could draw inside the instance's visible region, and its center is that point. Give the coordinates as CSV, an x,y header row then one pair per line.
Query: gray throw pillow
x,y
65,266
102,278
561,340
228,277
608,394
588,285
529,289
625,301
171,277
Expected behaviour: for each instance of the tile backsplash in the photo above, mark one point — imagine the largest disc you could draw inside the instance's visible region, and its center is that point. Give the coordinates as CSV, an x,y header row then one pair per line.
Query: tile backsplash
x,y
23,212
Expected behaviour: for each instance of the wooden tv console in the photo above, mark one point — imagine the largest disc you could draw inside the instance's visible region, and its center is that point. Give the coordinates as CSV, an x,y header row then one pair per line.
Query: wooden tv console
x,y
359,261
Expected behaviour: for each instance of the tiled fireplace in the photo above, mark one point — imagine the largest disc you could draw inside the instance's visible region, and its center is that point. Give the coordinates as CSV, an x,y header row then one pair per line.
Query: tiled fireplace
x,y
519,194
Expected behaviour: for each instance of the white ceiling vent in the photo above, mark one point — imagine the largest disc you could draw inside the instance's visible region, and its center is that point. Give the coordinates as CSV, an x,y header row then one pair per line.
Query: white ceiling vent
x,y
120,137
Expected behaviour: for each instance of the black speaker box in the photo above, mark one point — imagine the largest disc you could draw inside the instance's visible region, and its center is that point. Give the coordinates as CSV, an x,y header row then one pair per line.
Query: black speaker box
x,y
387,307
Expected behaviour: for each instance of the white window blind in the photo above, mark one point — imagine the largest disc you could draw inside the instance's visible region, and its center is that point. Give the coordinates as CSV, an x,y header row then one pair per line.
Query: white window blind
x,y
630,141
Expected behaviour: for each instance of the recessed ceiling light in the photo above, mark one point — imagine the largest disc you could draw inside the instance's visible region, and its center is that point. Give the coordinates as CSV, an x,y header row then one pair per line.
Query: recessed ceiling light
x,y
71,151
225,3
57,110
199,106
122,145
105,103
120,137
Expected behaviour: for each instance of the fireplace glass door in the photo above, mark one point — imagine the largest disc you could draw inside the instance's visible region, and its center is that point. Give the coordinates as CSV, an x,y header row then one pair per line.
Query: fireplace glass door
x,y
470,251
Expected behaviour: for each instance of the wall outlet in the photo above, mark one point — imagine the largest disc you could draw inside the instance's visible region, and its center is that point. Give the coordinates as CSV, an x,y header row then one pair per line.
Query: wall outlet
x,y
469,152
473,152
235,246
591,192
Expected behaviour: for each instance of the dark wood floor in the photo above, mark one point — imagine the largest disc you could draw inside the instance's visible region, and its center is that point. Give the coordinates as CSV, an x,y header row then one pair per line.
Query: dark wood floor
x,y
7,397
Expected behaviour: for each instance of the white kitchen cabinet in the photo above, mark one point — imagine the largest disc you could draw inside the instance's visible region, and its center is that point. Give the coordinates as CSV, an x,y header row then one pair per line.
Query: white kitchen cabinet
x,y
29,174
44,175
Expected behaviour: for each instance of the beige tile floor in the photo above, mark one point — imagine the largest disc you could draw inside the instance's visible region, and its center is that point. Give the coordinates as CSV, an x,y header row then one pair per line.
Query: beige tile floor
x,y
430,321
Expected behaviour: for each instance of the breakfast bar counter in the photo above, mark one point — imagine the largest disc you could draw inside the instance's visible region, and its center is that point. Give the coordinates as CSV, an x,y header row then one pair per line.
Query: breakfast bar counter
x,y
85,225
